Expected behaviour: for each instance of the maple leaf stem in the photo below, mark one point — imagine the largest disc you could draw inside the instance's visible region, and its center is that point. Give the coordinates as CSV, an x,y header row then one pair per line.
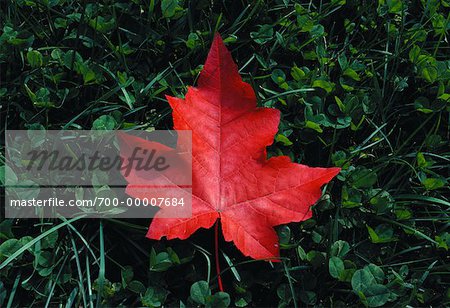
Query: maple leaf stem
x,y
216,248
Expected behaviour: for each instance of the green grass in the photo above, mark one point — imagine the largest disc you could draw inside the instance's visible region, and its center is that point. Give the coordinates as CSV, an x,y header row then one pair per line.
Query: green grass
x,y
363,85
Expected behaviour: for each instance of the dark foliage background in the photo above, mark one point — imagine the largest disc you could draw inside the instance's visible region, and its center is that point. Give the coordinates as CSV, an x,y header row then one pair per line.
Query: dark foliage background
x,y
363,85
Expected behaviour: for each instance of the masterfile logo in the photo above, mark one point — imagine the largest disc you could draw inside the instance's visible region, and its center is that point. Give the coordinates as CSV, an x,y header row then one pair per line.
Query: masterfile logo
x,y
70,173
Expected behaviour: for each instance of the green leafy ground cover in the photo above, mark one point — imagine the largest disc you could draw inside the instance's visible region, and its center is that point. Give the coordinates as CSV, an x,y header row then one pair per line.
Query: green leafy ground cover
x,y
363,85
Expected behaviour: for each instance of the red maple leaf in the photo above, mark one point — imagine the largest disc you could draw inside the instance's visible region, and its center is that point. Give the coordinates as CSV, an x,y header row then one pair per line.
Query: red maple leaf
x,y
232,179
